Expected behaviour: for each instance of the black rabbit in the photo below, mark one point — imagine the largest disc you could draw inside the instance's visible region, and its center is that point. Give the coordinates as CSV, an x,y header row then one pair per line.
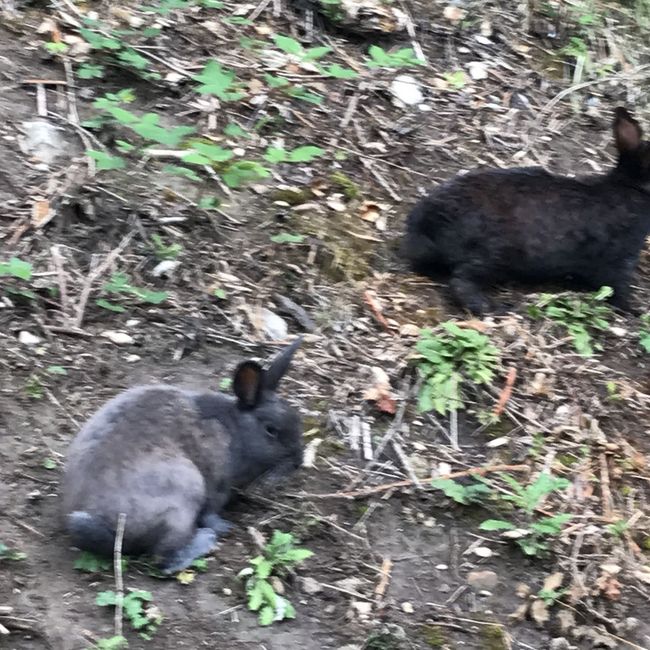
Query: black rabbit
x,y
168,458
526,225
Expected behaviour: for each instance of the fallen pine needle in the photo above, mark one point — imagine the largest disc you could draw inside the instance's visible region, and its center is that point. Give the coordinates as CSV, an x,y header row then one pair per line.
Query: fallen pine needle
x,y
370,298
506,392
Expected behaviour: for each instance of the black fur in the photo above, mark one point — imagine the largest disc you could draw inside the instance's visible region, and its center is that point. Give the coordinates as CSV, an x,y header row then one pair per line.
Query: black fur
x,y
526,225
169,458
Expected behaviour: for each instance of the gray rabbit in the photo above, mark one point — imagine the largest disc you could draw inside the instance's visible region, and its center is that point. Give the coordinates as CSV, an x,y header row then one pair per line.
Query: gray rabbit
x,y
169,458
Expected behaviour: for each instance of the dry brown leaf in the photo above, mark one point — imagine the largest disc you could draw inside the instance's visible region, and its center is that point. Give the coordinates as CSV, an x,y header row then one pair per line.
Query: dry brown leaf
x,y
335,202
41,213
473,324
553,582
608,583
541,385
539,612
409,329
380,391
255,86
520,613
374,213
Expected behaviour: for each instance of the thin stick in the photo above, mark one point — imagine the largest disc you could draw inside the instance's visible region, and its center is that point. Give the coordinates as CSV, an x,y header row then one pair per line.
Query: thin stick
x,y
96,273
382,585
57,260
604,488
453,429
259,9
117,570
506,392
475,471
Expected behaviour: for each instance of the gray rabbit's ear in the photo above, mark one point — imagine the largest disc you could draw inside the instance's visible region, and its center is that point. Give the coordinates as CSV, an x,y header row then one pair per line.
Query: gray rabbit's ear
x,y
627,131
280,365
248,383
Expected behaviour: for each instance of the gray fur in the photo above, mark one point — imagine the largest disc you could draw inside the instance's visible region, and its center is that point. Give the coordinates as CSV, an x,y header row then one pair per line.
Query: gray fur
x,y
168,458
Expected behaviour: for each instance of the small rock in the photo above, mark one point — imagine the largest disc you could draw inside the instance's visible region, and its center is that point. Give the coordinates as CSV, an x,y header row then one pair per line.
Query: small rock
x,y
498,442
407,608
560,643
119,338
133,322
132,358
483,551
444,588
407,90
42,140
618,331
274,326
34,495
277,584
349,584
454,14
477,70
409,329
27,338
631,623
442,567
310,586
363,607
480,580
227,591
166,267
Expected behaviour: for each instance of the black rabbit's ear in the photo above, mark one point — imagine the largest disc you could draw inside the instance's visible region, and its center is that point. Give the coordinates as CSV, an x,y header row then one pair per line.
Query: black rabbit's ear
x,y
626,131
247,383
280,365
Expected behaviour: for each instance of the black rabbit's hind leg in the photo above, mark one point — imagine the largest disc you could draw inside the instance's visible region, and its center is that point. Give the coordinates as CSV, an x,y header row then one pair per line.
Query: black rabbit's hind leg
x,y
619,280
467,291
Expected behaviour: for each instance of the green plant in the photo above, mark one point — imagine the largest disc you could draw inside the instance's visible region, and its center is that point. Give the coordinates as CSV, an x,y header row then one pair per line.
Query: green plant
x,y
287,238
112,643
91,563
581,317
450,359
138,609
551,596
279,556
34,387
120,286
112,46
305,153
7,553
644,332
618,528
534,538
216,80
165,251
457,79
403,58
463,494
16,268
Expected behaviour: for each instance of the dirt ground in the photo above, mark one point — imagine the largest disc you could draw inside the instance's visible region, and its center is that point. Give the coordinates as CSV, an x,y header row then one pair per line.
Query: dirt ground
x,y
595,411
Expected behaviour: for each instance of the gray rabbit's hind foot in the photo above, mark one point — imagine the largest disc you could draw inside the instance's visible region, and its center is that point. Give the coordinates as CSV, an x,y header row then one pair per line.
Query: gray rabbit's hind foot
x,y
217,523
201,544
90,533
